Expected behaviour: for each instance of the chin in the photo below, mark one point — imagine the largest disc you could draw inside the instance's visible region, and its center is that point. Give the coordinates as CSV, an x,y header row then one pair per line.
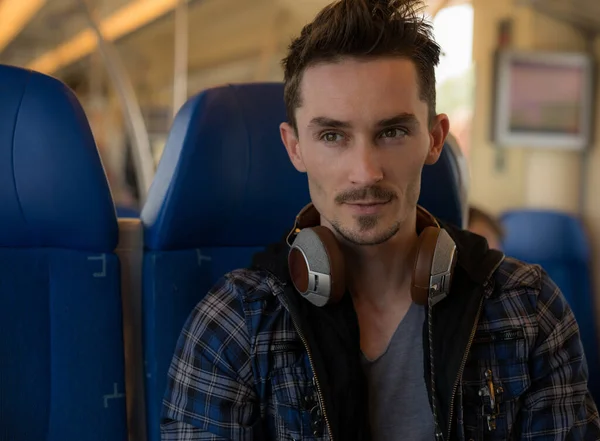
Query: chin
x,y
362,233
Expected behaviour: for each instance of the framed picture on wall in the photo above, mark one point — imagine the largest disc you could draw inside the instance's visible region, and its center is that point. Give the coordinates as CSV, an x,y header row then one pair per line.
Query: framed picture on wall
x,y
543,100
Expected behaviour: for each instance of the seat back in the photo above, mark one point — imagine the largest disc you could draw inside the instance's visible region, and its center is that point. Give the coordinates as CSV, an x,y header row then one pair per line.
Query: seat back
x,y
557,242
209,209
224,189
61,351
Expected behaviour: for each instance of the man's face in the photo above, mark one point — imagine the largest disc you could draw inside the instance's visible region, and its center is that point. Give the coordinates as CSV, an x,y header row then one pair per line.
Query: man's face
x,y
363,138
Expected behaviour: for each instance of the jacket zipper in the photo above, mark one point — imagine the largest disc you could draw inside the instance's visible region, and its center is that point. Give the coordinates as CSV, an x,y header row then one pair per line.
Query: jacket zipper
x,y
467,350
316,379
462,368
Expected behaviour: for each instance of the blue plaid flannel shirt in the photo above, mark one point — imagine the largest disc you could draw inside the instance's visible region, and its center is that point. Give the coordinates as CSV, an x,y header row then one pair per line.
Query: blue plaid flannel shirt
x,y
227,380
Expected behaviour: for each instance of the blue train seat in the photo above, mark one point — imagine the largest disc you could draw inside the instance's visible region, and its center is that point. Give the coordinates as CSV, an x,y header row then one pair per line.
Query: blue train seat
x,y
61,350
558,242
444,186
209,209
224,189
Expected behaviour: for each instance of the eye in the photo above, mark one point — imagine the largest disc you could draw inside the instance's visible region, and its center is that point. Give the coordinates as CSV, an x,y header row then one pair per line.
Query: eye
x,y
394,132
331,137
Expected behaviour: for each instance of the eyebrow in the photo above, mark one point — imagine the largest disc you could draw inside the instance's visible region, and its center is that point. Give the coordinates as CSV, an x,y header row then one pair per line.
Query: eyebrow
x,y
402,118
323,121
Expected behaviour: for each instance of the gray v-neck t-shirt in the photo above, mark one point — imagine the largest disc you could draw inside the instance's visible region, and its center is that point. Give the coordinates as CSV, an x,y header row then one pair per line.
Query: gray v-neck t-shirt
x,y
398,404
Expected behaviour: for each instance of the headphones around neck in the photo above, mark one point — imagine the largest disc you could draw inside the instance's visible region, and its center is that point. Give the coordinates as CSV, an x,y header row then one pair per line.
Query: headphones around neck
x,y
317,269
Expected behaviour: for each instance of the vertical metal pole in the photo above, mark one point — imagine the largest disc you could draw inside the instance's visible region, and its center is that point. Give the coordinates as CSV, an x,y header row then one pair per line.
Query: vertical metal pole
x,y
142,154
180,72
584,171
95,77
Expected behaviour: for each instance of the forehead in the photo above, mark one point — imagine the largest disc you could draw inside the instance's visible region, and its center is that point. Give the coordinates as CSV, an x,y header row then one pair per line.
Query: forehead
x,y
380,87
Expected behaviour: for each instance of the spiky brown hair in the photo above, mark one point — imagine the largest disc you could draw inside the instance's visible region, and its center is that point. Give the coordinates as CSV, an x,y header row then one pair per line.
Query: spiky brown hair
x,y
363,29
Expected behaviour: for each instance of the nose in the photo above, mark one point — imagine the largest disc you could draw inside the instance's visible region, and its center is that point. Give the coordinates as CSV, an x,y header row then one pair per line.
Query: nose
x,y
366,167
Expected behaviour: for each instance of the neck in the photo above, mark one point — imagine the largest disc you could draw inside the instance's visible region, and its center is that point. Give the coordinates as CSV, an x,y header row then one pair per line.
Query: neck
x,y
382,274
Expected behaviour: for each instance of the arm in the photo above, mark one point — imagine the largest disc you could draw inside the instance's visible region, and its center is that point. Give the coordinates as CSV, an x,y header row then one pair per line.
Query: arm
x,y
210,390
558,405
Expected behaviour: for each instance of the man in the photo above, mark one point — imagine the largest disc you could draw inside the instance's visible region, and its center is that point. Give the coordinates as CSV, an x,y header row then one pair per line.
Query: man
x,y
499,358
487,226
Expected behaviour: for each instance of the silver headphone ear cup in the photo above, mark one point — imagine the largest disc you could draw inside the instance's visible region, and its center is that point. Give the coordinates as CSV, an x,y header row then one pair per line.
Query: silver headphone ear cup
x,y
309,267
317,266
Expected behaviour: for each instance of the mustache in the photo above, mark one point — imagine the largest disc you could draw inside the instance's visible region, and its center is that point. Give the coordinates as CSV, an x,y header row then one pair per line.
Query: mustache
x,y
373,193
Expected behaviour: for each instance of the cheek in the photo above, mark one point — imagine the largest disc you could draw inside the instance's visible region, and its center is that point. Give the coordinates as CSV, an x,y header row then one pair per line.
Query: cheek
x,y
322,170
314,183
320,185
404,169
318,195
317,177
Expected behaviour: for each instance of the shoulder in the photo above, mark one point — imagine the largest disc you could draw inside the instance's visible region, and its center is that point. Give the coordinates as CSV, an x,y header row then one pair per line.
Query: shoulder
x,y
229,297
241,285
513,274
524,294
530,283
224,313
517,282
251,284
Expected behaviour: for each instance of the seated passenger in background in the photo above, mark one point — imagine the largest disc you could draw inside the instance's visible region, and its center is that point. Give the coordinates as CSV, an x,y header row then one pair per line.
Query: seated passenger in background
x,y
397,353
487,226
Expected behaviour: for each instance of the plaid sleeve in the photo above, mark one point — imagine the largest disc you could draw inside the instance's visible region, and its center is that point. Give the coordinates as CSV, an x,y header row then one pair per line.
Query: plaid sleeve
x,y
558,405
210,389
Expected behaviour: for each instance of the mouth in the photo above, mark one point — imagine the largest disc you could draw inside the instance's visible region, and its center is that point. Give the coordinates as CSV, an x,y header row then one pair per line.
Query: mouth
x,y
369,203
367,207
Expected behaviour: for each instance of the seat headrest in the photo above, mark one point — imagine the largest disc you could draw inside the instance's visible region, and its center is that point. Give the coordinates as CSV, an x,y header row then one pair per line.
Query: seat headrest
x,y
539,235
53,189
444,186
225,178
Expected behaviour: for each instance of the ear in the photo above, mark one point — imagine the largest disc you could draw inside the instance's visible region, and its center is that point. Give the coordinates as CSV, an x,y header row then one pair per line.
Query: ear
x,y
437,137
292,145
